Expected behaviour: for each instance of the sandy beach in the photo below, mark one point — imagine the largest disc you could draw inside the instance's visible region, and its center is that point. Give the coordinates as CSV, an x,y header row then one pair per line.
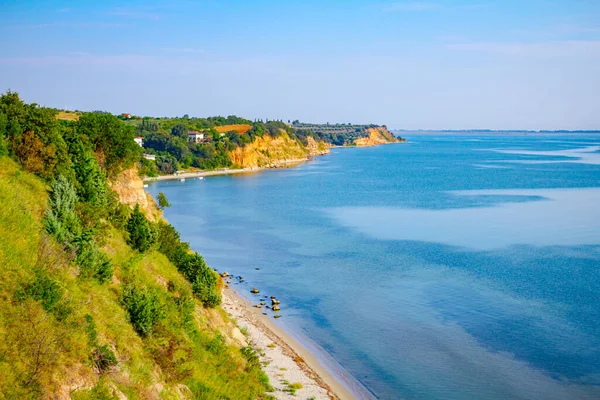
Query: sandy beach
x,y
285,360
198,174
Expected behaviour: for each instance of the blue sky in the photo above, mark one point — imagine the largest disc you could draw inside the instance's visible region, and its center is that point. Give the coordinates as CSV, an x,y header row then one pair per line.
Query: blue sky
x,y
529,64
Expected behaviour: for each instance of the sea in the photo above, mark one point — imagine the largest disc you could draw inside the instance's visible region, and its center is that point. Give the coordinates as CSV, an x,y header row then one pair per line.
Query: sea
x,y
447,267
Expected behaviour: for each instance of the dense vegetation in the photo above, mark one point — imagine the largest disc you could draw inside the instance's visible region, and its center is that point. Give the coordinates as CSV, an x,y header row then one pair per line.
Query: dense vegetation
x,y
94,297
338,134
168,139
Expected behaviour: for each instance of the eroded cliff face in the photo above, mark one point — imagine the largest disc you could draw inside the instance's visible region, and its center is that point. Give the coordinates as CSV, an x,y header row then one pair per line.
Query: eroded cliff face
x,y
130,188
268,152
376,137
316,148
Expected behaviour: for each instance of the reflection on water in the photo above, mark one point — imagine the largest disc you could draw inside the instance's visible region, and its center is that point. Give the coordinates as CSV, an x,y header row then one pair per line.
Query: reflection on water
x,y
584,155
563,217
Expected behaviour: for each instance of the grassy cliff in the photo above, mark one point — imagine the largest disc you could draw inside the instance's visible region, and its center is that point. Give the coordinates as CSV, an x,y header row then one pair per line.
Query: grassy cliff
x,y
97,301
54,323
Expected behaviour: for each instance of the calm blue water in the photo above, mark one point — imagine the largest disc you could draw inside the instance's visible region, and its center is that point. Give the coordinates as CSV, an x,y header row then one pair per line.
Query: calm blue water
x,y
453,267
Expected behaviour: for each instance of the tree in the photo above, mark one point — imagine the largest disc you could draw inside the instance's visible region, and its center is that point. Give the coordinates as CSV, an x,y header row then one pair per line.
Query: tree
x,y
201,276
169,241
111,140
180,130
92,186
162,201
61,219
144,308
140,234
3,127
34,137
92,262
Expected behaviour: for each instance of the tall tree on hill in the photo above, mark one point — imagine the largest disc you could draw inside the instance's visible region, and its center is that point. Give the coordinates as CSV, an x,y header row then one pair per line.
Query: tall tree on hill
x,y
34,137
180,130
140,234
111,140
163,202
92,187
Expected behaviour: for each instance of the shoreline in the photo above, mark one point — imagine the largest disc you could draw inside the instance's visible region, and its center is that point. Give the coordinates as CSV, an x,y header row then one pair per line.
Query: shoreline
x,y
198,174
285,357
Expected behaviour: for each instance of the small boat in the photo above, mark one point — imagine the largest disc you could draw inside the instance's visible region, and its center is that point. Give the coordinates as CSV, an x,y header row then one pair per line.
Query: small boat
x,y
145,185
201,177
181,179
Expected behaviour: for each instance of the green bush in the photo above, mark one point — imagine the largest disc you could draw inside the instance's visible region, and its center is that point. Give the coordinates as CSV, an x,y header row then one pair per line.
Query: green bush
x,y
169,241
90,330
147,168
103,357
118,213
251,356
163,202
92,262
185,305
217,345
43,289
200,391
100,391
208,295
141,236
202,277
48,292
144,308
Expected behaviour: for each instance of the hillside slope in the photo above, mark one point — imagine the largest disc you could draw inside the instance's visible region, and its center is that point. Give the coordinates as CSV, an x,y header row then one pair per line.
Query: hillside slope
x,y
56,327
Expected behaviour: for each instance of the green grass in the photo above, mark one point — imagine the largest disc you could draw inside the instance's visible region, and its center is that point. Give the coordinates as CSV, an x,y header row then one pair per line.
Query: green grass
x,y
292,387
187,352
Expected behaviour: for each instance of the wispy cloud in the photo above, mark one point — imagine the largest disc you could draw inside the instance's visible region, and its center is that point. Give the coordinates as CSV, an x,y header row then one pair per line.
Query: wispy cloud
x,y
476,6
560,29
452,38
567,28
134,14
69,25
412,6
566,48
182,49
80,58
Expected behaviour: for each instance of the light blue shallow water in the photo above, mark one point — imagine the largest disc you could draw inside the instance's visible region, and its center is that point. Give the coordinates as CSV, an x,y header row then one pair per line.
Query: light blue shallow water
x,y
453,267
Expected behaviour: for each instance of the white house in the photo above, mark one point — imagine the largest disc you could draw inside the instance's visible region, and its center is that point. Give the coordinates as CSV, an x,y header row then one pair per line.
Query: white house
x,y
196,137
139,140
150,156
